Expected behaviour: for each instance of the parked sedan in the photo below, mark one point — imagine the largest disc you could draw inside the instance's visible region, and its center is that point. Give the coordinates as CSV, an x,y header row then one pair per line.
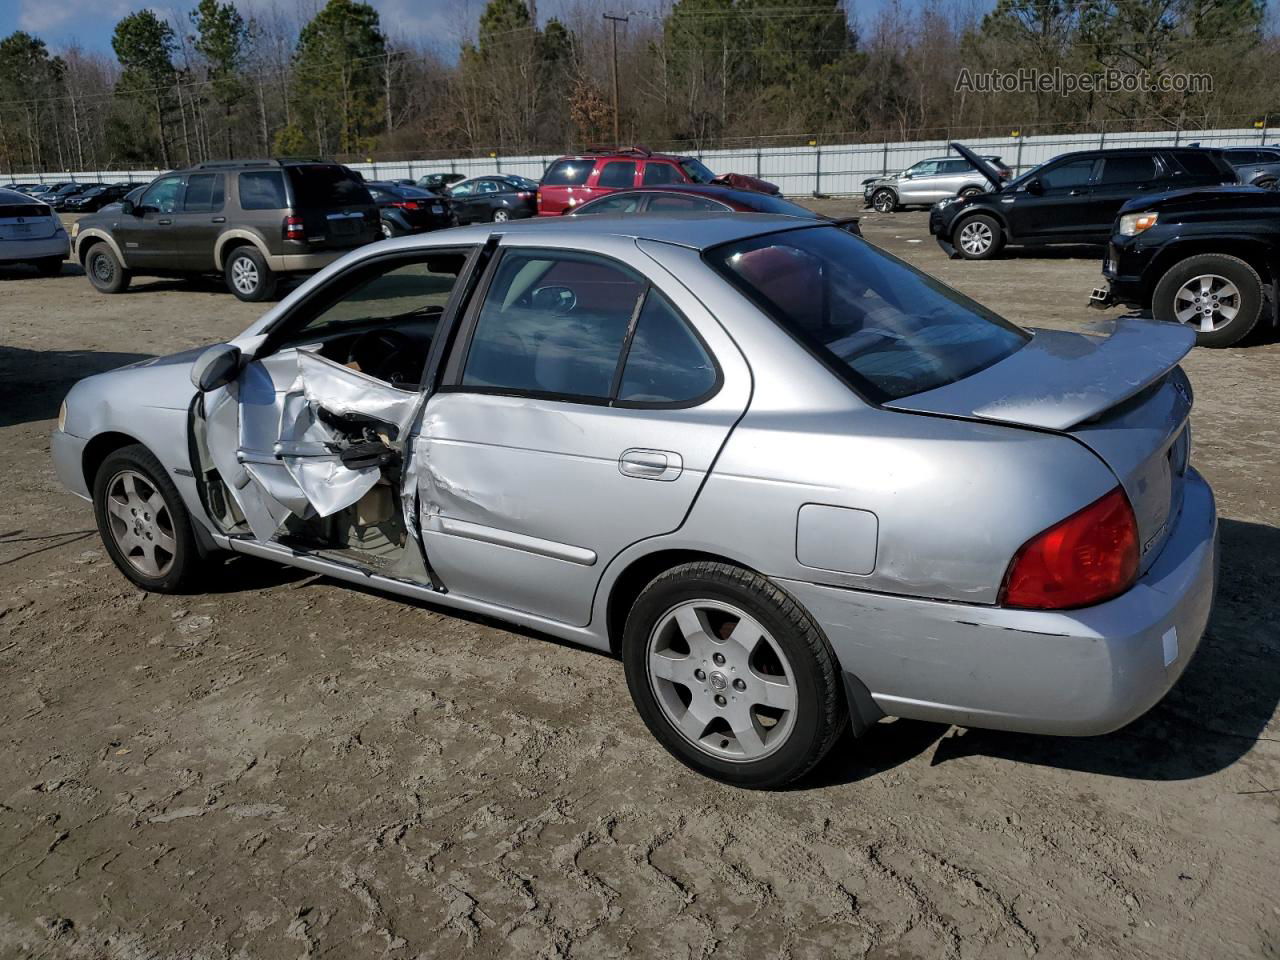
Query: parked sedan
x,y
700,198
407,209
59,198
30,232
795,483
498,198
95,198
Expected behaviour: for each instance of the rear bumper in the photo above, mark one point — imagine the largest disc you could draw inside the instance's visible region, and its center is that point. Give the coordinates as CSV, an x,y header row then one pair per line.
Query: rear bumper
x,y
1072,672
24,251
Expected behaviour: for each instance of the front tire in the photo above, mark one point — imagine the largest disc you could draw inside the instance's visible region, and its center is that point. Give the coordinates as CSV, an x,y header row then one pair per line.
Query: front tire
x,y
978,237
105,271
248,275
732,676
884,201
1219,296
1266,183
143,521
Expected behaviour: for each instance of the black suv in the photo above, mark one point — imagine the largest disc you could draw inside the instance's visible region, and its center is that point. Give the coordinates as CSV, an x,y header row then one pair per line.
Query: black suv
x,y
1073,198
1200,257
251,221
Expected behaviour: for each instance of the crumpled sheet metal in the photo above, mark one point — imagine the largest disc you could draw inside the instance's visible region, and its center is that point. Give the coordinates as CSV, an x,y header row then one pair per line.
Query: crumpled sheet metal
x,y
326,485
248,487
342,390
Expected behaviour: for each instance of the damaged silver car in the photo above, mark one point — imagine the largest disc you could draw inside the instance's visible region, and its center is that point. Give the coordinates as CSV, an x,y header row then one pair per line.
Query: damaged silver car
x,y
794,483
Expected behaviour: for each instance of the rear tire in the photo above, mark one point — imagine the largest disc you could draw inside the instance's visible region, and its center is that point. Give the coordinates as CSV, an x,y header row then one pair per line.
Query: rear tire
x,y
105,271
388,231
752,695
501,215
979,237
248,275
143,522
49,266
970,192
1231,287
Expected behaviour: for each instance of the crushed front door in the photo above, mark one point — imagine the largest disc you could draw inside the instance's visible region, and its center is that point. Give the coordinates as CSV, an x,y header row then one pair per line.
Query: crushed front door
x,y
298,434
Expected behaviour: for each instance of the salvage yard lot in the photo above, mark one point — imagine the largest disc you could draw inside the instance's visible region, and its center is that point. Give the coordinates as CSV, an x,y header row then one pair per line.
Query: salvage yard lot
x,y
289,767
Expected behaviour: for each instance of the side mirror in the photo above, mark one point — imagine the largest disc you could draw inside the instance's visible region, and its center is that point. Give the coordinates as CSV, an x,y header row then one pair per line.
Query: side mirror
x,y
128,209
216,367
1035,186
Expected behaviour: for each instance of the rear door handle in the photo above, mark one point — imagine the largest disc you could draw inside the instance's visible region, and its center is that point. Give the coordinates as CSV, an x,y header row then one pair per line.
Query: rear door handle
x,y
219,220
1077,193
645,464
164,222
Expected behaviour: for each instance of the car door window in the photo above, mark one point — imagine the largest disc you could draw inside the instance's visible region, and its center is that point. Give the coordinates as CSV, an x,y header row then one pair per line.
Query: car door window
x,y
204,193
486,186
956,166
567,173
926,168
1242,157
618,173
163,196
552,323
666,363
657,173
1135,168
262,190
676,203
462,190
1076,173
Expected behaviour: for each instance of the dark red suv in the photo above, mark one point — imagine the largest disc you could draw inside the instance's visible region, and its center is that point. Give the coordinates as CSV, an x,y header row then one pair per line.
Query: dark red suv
x,y
571,181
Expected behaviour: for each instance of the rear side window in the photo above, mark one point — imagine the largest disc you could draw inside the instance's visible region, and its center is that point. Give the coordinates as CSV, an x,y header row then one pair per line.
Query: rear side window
x,y
678,203
614,203
322,185
657,172
666,363
1129,168
553,323
262,190
204,193
567,173
1245,156
1200,164
884,327
618,173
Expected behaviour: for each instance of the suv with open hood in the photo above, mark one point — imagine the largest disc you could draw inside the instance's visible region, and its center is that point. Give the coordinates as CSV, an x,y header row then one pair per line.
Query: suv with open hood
x,y
1073,198
251,221
929,181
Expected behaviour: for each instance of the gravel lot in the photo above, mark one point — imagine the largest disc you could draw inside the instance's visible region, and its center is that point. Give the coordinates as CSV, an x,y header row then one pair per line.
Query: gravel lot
x,y
289,767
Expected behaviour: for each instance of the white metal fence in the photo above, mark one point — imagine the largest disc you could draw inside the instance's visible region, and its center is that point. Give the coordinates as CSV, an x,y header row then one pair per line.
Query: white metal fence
x,y
826,169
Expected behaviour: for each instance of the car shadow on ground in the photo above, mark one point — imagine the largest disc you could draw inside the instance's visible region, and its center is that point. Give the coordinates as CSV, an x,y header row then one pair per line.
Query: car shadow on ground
x,y
1219,709
1064,252
33,382
22,271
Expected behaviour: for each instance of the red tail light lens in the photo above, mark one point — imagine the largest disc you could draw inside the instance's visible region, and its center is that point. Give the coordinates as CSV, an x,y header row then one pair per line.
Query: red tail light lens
x,y
294,229
406,204
524,194
1089,557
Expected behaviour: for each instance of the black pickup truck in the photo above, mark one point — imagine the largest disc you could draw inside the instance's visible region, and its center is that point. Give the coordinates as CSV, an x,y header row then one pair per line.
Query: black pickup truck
x,y
1207,257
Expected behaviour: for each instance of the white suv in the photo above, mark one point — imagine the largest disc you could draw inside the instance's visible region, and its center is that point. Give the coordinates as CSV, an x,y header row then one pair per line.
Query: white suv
x,y
927,182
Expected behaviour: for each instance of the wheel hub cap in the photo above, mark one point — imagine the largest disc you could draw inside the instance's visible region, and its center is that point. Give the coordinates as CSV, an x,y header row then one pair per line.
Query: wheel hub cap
x,y
721,680
244,275
139,522
975,237
1208,302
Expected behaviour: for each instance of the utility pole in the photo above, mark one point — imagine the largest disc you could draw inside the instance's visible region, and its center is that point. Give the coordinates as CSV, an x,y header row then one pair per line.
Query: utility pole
x,y
617,137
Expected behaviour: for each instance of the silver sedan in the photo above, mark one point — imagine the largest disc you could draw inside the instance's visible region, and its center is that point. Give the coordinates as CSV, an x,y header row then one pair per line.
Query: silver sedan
x,y
794,483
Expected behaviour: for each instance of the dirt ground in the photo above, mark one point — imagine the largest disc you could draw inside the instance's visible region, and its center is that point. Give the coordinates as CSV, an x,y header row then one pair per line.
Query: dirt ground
x,y
288,767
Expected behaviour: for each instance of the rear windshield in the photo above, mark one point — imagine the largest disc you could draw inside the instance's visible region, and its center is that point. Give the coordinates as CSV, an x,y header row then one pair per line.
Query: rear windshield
x,y
567,173
881,325
1200,163
326,185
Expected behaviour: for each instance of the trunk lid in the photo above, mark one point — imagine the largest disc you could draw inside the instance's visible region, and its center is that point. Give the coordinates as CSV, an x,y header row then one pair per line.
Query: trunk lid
x,y
26,221
1116,389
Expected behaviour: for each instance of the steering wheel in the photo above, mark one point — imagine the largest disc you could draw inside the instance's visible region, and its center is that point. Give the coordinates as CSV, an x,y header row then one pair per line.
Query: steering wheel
x,y
387,355
553,299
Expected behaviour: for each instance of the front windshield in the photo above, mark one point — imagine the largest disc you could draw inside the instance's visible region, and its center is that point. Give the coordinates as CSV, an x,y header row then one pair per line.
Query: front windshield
x,y
696,170
887,329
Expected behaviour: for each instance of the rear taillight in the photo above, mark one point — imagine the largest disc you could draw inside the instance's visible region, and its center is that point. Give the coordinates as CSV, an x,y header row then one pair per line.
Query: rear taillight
x,y
1089,557
294,229
524,194
406,204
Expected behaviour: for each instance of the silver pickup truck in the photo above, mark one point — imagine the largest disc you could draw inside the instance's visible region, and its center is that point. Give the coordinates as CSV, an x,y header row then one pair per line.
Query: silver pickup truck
x,y
927,182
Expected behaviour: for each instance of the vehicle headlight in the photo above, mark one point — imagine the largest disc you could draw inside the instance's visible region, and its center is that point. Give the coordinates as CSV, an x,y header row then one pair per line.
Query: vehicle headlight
x,y
62,417
1132,224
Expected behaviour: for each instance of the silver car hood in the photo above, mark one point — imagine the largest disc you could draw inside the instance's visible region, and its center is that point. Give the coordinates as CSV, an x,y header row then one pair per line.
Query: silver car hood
x,y
1061,378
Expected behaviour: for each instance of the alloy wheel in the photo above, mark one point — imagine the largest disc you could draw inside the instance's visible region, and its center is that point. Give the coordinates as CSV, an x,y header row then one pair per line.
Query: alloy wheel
x,y
1208,302
721,680
244,275
386,230
501,216
976,237
883,202
140,523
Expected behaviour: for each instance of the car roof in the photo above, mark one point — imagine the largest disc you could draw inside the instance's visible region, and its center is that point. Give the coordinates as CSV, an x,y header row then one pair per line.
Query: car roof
x,y
697,231
14,196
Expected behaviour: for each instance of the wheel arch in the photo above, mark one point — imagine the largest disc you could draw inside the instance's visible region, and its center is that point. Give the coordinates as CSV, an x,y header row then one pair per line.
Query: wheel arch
x,y
99,448
995,215
237,238
1262,257
86,240
638,574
